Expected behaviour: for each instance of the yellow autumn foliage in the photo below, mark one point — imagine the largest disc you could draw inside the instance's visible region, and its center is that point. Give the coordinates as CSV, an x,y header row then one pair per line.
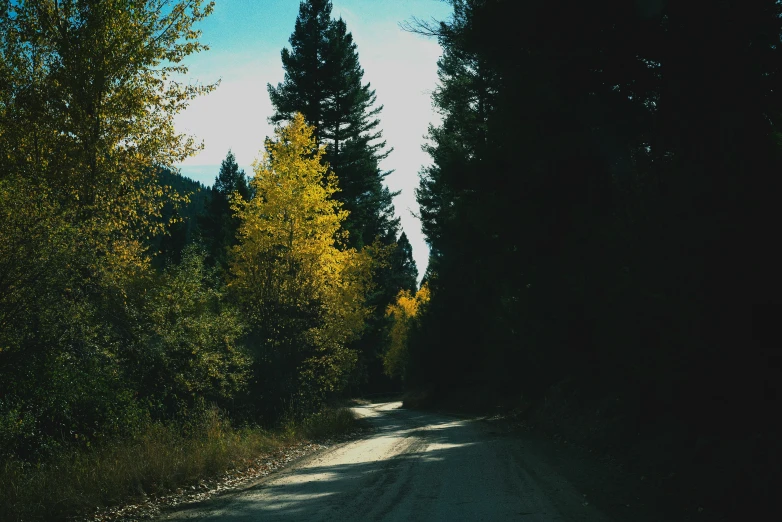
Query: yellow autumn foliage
x,y
402,313
290,268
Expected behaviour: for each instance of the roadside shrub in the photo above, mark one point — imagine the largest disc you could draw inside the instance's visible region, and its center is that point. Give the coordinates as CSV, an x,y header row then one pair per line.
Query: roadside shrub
x,y
329,423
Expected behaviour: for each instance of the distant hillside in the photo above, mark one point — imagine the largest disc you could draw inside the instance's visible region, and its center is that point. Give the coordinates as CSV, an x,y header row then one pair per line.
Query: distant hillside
x,y
169,247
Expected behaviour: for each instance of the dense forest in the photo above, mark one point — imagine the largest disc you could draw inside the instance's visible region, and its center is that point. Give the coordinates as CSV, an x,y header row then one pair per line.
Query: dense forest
x,y
598,207
135,293
134,300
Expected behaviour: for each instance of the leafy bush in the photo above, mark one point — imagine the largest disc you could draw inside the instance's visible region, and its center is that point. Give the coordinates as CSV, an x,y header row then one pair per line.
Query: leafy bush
x,y
328,423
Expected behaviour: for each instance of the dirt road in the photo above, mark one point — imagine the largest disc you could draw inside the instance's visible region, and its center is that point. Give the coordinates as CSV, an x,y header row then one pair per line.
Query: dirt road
x,y
414,466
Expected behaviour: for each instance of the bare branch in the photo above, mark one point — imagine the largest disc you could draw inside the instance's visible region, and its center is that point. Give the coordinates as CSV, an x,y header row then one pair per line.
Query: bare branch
x,y
432,28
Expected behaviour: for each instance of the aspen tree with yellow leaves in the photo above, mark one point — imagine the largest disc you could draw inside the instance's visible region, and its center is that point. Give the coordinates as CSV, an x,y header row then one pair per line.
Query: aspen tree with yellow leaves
x,y
403,313
301,289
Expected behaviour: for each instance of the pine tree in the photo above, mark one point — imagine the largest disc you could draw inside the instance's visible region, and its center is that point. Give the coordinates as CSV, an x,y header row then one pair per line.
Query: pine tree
x,y
323,81
403,269
302,89
219,224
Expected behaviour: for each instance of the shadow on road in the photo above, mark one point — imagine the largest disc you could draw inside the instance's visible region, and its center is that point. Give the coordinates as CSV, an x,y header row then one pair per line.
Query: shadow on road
x,y
414,466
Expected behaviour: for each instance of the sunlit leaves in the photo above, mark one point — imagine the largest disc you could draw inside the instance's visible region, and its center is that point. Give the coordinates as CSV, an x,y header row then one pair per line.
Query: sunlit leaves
x,y
88,103
88,94
403,313
195,334
292,277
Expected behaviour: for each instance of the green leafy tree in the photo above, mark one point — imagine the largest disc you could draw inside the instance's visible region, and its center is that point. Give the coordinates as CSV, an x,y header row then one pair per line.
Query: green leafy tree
x,y
87,104
191,336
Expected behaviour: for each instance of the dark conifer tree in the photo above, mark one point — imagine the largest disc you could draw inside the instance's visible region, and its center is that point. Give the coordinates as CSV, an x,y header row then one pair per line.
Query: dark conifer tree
x,y
403,269
172,244
219,224
354,141
182,219
323,81
302,89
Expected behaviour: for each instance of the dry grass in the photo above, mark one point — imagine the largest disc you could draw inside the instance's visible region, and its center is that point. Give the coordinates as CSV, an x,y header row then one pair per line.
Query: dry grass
x,y
328,423
160,460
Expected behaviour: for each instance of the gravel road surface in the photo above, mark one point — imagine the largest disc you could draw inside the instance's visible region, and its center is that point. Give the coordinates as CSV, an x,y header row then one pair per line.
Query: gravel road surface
x,y
413,466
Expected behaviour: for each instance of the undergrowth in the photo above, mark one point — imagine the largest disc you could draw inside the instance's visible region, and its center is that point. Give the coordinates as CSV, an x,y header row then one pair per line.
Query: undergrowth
x,y
163,457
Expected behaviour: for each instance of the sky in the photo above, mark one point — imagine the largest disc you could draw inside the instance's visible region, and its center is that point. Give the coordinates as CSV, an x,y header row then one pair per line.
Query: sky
x,y
245,39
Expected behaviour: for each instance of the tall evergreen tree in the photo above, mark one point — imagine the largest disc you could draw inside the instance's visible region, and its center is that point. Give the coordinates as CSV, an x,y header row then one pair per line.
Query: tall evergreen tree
x,y
403,269
596,209
323,81
302,89
354,141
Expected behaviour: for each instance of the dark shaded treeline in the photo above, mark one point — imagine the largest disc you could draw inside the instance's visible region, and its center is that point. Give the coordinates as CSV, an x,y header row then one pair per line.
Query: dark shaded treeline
x,y
599,210
182,220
